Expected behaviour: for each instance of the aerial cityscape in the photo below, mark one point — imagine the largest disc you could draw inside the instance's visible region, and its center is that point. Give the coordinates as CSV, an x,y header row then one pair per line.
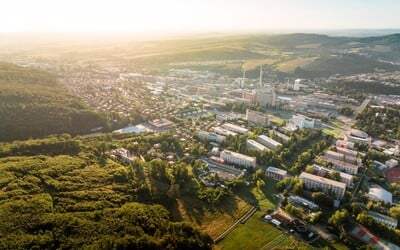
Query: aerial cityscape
x,y
175,125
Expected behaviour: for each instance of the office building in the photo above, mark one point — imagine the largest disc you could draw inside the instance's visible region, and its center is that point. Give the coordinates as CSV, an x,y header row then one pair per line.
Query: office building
x,y
268,142
326,185
386,220
238,159
222,131
256,145
341,165
209,136
276,173
266,97
235,128
302,121
323,171
257,118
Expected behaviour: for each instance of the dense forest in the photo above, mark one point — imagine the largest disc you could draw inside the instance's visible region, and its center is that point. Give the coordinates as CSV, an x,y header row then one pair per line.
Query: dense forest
x,y
380,122
33,104
75,196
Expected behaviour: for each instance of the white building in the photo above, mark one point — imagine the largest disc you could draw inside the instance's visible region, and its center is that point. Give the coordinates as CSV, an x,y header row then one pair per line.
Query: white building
x,y
255,145
391,163
257,118
358,136
386,220
268,142
123,154
209,136
235,128
222,131
238,159
276,173
379,194
334,155
341,165
302,121
327,185
346,151
344,177
296,86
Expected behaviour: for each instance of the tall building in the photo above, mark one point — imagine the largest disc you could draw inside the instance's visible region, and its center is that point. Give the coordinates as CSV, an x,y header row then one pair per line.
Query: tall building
x,y
326,185
266,97
238,159
296,86
258,118
302,121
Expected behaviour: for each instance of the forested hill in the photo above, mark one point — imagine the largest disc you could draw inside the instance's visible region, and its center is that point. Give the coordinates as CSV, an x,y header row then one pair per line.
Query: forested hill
x,y
33,104
64,193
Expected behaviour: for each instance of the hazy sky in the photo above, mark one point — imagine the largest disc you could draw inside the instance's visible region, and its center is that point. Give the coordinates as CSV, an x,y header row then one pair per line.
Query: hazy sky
x,y
195,15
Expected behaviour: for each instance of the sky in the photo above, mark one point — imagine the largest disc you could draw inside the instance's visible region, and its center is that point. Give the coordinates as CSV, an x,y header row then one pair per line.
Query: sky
x,y
163,16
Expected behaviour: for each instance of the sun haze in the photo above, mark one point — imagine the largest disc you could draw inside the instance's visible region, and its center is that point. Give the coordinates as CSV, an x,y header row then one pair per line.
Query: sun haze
x,y
194,16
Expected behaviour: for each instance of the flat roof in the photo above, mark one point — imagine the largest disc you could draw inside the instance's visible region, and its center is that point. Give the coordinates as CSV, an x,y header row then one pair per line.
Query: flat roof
x,y
276,170
233,126
257,145
382,217
239,155
342,174
270,140
346,164
320,179
334,153
223,131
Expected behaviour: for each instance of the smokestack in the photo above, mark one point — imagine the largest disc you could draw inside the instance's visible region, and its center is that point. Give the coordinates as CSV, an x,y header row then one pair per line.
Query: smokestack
x,y
261,75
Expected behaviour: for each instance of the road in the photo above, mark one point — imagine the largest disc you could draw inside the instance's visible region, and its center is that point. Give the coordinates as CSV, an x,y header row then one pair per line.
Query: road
x,y
347,127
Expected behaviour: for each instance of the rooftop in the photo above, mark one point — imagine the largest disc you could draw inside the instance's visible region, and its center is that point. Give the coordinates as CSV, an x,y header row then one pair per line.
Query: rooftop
x,y
320,179
277,170
382,217
238,155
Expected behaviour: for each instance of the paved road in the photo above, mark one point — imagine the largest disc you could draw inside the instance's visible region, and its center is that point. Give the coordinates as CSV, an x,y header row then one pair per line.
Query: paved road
x,y
347,127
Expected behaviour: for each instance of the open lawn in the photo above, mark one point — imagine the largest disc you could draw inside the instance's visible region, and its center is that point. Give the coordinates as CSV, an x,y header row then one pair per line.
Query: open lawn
x,y
337,123
292,64
258,234
212,221
334,132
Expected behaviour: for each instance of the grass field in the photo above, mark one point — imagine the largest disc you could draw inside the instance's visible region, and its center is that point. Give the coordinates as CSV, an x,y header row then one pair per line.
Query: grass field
x,y
213,221
257,234
334,132
337,123
292,64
